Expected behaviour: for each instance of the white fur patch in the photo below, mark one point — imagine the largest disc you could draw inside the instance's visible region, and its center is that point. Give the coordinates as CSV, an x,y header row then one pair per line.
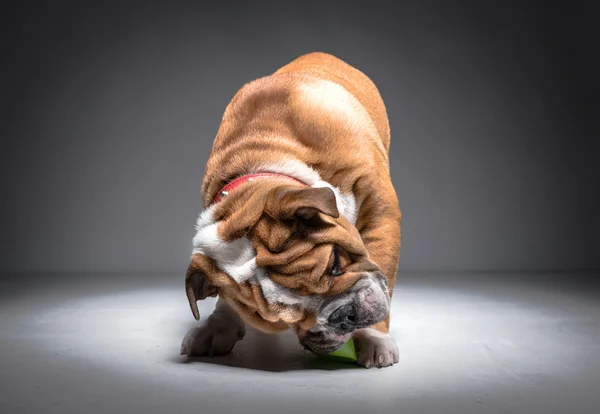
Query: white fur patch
x,y
291,167
237,258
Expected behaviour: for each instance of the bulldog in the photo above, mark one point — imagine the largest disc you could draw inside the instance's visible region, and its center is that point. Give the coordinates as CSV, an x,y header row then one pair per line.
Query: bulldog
x,y
300,228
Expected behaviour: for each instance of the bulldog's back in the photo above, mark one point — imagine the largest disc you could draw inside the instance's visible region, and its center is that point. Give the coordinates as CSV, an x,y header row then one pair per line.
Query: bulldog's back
x,y
316,110
325,66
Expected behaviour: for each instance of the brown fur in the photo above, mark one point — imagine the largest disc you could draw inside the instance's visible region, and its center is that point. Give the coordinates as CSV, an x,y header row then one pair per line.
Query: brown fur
x,y
284,115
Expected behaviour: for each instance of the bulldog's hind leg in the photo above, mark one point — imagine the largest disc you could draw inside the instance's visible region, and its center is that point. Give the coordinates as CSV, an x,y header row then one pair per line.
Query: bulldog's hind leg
x,y
217,335
375,347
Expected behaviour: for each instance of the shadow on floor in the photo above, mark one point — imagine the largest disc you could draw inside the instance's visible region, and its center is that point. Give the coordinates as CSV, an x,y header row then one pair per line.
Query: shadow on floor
x,y
259,351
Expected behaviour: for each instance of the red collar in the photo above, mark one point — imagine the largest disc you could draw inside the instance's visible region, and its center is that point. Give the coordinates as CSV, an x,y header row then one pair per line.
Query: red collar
x,y
232,185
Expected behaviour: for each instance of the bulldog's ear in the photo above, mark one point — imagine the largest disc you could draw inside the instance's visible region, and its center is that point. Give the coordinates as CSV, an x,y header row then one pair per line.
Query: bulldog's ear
x,y
196,283
306,203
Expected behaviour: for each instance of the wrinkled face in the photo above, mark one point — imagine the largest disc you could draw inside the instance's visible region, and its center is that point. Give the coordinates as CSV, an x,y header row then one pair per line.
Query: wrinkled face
x,y
283,256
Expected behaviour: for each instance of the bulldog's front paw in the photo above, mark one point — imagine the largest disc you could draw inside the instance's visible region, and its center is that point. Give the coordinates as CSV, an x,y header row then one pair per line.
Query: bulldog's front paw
x,y
375,349
214,338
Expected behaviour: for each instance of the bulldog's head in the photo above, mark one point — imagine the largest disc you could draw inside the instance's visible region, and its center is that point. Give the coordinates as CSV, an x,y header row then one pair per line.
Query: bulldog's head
x,y
282,255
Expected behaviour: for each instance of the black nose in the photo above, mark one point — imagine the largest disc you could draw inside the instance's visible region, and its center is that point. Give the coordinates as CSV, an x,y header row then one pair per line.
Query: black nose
x,y
343,319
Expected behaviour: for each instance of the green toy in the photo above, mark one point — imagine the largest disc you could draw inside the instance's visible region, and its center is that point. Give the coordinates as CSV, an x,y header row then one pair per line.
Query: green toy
x,y
347,353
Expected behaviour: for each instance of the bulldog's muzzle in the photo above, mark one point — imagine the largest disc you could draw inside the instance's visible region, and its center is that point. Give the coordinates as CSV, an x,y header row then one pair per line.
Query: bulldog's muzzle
x,y
366,304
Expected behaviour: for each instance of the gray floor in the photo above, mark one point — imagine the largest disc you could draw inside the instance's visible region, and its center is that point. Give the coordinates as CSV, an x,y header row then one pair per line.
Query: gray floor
x,y
469,344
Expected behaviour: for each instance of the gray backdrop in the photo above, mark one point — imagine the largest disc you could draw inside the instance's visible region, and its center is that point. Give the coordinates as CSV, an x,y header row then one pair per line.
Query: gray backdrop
x,y
109,111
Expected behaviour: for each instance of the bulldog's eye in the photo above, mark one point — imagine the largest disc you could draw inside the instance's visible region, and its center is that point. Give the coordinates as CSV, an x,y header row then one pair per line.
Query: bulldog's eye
x,y
335,269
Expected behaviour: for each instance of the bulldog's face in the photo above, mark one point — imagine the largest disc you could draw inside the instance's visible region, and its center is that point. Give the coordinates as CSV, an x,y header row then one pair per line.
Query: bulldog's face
x,y
283,256
365,304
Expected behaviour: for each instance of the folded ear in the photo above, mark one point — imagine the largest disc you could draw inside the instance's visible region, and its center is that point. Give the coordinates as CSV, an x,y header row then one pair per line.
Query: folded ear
x,y
197,286
306,203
